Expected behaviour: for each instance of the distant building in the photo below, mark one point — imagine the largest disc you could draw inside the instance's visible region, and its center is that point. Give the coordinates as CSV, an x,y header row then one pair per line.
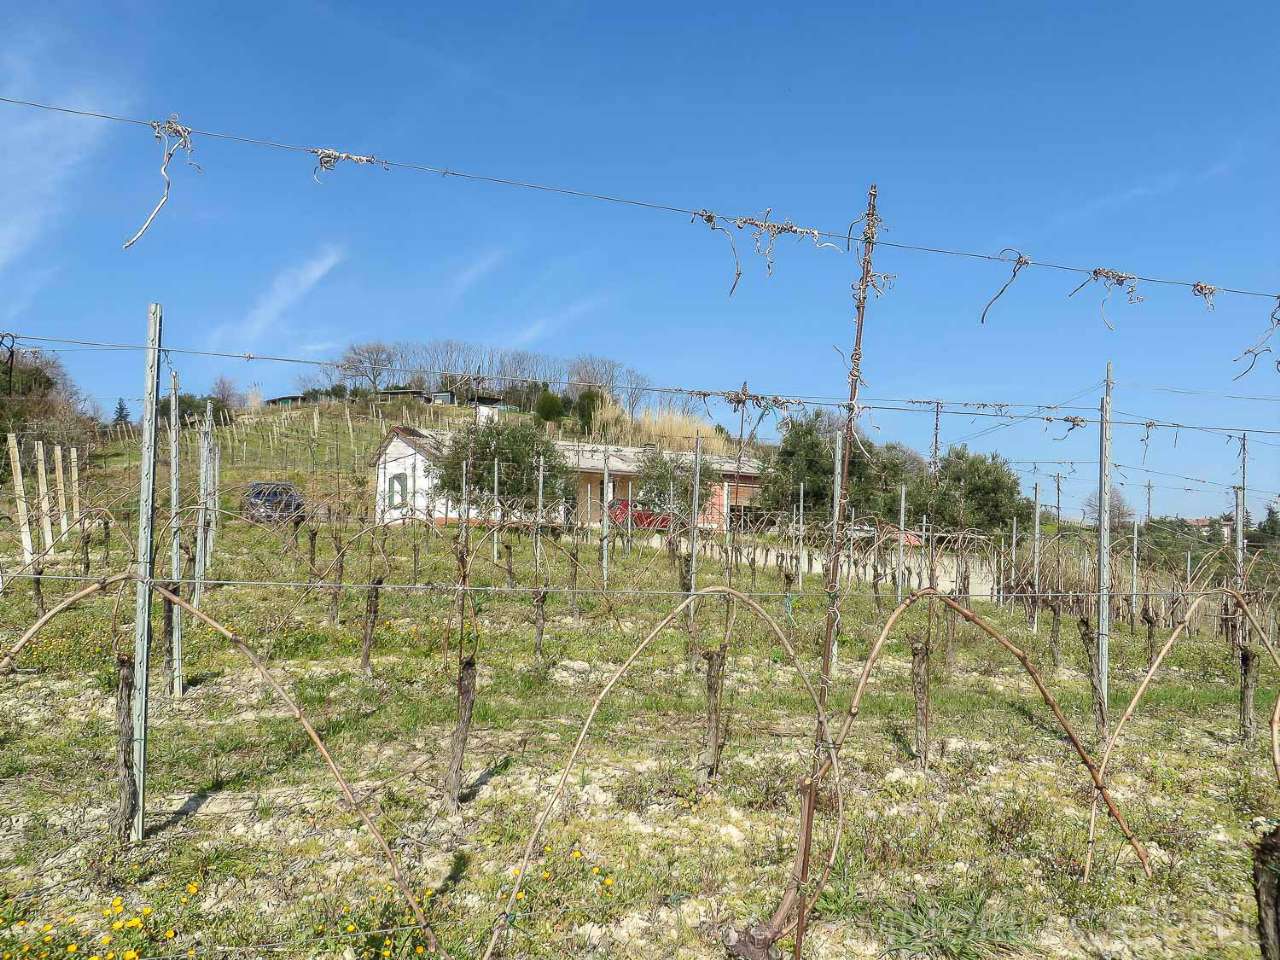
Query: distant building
x,y
1206,526
288,400
406,487
403,393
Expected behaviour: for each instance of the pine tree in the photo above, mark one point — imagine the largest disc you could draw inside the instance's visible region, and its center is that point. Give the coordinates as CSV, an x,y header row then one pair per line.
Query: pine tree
x,y
121,414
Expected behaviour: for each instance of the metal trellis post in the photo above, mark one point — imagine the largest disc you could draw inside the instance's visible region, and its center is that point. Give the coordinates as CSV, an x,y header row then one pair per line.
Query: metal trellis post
x,y
175,529
1104,539
144,570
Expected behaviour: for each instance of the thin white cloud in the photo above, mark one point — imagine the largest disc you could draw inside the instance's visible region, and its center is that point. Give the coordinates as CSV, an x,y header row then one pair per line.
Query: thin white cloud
x,y
287,289
540,327
43,152
475,271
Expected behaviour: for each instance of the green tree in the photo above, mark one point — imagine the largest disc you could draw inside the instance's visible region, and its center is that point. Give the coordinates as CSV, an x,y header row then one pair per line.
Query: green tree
x,y
1266,535
588,403
975,490
805,456
517,446
122,413
195,406
549,407
662,476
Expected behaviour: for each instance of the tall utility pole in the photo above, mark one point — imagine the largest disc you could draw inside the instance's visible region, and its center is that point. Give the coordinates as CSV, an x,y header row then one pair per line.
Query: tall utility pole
x,y
1035,565
145,560
934,451
1104,536
794,901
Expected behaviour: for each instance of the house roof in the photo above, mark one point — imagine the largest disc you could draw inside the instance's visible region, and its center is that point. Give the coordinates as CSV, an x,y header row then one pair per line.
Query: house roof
x,y
427,443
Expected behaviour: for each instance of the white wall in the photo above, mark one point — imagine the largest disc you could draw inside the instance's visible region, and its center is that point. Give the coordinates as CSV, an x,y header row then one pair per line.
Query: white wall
x,y
421,501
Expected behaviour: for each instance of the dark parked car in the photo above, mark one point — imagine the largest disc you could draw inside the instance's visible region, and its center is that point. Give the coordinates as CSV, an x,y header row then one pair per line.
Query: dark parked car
x,y
273,502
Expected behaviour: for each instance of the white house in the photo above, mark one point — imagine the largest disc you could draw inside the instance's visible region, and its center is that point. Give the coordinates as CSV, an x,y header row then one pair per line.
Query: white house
x,y
406,486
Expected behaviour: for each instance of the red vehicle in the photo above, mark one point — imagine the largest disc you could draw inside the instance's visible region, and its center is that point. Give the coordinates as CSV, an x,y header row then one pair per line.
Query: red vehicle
x,y
642,517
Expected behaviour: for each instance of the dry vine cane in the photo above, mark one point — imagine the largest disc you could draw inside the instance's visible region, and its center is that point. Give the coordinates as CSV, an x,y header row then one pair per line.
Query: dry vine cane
x,y
1111,279
832,761
755,943
1243,606
1260,347
1019,263
173,137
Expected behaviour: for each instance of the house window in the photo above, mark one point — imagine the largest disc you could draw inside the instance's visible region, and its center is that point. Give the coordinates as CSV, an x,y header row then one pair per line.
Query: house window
x,y
397,490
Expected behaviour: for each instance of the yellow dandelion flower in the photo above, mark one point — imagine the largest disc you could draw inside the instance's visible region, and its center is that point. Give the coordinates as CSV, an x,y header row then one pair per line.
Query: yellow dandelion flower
x,y
577,854
520,895
595,870
106,938
169,934
419,949
47,927
351,928
515,871
130,955
72,947
134,922
192,887
117,925
146,911
547,848
608,881
546,874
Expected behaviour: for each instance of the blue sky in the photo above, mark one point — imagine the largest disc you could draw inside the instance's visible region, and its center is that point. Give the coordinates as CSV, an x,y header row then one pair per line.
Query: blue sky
x,y
1140,137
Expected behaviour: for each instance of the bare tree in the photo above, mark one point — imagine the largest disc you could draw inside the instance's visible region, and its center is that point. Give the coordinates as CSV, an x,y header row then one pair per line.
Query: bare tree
x,y
589,370
635,387
1121,512
226,391
369,364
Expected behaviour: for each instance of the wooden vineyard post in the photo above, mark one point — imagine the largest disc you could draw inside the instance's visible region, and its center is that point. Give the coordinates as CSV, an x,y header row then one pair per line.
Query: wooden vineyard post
x,y
75,484
42,491
20,499
60,490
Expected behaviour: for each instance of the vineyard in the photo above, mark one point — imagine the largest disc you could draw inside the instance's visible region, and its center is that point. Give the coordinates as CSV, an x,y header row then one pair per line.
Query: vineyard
x,y
501,734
